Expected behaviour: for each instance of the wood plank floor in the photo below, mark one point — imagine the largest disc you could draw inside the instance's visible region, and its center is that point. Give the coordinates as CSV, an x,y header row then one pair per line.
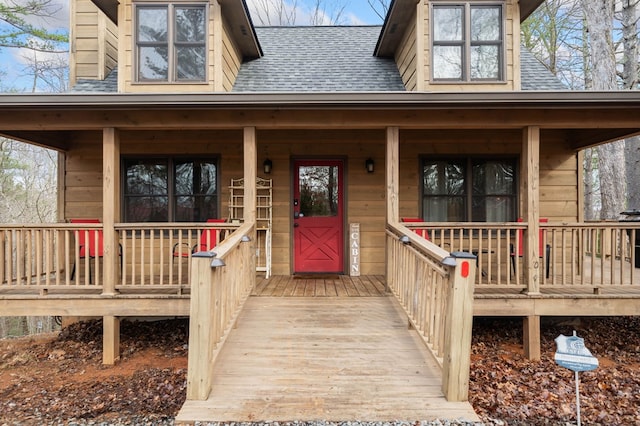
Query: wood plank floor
x,y
331,358
320,286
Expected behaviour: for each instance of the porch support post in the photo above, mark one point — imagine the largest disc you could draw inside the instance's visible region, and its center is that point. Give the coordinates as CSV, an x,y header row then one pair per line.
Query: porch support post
x,y
250,176
531,337
110,339
393,174
392,181
110,207
530,190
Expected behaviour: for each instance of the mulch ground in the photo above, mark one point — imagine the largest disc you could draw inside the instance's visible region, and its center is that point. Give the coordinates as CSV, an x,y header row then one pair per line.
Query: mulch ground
x,y
59,378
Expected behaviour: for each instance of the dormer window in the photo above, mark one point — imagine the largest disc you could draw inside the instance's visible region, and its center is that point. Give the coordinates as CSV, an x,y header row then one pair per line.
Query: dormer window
x,y
171,42
468,42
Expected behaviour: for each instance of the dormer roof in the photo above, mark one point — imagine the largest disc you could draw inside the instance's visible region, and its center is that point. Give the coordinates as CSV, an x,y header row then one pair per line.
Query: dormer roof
x,y
236,13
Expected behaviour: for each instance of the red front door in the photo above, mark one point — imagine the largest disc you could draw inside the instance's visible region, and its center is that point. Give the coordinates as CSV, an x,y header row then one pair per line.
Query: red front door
x,y
318,216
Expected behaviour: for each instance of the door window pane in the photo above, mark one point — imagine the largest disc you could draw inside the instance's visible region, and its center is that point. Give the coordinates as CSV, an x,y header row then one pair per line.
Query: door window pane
x,y
318,186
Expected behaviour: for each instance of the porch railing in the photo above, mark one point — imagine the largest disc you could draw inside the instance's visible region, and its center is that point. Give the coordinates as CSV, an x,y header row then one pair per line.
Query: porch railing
x,y
221,281
593,255
436,292
51,256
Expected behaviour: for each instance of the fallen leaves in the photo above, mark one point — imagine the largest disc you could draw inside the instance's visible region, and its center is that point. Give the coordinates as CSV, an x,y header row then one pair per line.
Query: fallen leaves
x,y
505,385
64,379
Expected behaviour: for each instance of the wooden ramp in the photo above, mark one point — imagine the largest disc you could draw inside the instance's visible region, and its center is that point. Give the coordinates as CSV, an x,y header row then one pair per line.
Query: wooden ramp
x,y
332,359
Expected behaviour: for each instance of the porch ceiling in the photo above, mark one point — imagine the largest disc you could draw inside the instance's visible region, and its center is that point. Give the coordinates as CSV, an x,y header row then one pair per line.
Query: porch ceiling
x,y
581,118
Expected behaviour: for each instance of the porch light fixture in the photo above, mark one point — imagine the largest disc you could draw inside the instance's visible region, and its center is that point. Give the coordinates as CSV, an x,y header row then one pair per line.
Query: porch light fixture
x,y
268,164
369,165
404,239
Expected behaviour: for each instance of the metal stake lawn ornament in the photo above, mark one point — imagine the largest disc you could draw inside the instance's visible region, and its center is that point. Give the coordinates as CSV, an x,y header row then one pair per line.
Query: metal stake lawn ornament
x,y
572,354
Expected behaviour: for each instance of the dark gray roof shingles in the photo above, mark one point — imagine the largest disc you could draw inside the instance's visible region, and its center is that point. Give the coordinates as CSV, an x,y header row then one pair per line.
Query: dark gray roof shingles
x,y
318,59
328,59
535,76
108,85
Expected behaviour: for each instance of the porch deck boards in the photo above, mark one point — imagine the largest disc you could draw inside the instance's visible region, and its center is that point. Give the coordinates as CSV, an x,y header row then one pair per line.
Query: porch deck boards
x,y
320,286
332,358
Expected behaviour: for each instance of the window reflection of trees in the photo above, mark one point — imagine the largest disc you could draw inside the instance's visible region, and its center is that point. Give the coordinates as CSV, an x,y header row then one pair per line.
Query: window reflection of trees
x,y
493,190
318,186
457,58
189,41
148,198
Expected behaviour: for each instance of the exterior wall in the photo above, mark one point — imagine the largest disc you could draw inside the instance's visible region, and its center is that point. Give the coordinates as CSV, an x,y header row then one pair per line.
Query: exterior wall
x,y
93,42
365,192
364,196
406,56
559,178
512,54
231,58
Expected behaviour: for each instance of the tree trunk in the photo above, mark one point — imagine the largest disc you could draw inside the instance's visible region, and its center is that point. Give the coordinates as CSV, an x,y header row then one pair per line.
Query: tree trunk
x,y
632,162
611,167
630,71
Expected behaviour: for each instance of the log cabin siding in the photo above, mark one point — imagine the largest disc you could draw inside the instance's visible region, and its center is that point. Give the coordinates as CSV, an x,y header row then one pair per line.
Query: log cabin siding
x,y
511,68
93,42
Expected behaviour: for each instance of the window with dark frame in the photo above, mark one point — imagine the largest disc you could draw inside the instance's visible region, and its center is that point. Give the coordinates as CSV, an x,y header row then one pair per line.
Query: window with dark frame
x,y
467,42
469,190
171,42
170,189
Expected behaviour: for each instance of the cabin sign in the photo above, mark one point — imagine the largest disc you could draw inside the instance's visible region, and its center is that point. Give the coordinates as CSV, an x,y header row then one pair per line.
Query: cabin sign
x,y
572,354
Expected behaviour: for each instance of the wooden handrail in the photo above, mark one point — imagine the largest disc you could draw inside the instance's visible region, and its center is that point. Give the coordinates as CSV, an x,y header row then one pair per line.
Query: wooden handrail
x,y
221,281
435,289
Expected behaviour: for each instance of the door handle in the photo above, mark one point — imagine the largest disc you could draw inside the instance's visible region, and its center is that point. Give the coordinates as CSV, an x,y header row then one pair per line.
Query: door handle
x,y
296,224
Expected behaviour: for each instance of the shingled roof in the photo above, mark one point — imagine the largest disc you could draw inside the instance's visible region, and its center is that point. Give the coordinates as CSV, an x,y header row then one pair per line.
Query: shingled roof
x,y
328,59
318,59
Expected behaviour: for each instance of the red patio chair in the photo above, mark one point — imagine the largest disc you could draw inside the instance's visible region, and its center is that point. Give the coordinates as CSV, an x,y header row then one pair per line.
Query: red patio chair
x,y
93,240
423,232
208,240
541,247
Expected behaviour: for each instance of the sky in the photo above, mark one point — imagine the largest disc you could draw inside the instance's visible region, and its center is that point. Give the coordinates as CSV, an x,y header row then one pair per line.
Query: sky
x,y
13,64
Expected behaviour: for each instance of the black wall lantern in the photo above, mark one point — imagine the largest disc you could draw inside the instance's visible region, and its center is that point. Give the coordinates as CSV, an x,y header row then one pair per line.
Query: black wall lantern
x,y
267,166
369,165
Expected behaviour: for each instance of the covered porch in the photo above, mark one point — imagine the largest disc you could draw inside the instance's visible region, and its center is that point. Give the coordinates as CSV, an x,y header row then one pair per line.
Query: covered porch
x,y
440,273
